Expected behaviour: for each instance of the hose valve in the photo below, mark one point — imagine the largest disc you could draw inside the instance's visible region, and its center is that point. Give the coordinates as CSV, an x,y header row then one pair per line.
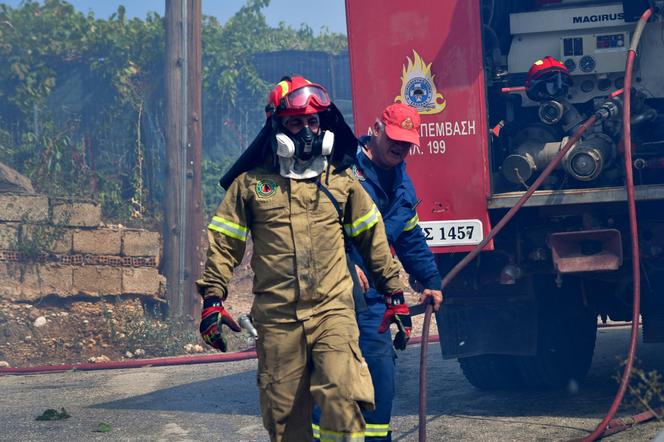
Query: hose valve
x,y
248,326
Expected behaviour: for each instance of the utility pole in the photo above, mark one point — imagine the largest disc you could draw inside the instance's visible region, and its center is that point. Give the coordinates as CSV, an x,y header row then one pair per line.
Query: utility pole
x,y
183,212
195,226
172,203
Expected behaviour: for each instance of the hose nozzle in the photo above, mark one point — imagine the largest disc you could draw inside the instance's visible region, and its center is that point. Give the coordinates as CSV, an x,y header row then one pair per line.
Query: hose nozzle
x,y
248,326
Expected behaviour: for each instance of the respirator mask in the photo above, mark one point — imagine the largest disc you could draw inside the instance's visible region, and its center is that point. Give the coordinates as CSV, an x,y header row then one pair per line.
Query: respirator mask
x,y
303,155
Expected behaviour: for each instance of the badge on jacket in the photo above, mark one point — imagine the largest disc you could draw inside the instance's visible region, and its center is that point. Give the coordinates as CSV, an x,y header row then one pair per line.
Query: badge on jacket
x,y
266,188
358,173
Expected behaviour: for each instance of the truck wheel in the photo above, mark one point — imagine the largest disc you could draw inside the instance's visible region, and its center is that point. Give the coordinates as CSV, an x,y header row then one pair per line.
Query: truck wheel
x,y
566,342
491,372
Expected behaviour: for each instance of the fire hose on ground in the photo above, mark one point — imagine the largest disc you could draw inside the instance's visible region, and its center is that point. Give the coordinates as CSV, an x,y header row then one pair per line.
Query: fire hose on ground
x,y
249,353
607,425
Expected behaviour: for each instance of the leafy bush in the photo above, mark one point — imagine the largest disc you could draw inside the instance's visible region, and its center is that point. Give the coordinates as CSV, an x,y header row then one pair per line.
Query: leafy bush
x,y
82,99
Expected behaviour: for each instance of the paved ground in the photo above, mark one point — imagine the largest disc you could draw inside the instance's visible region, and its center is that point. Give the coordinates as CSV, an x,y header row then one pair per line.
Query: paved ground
x,y
219,402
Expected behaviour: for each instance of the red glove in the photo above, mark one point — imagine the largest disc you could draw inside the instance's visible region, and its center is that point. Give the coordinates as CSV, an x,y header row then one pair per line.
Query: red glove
x,y
397,313
213,316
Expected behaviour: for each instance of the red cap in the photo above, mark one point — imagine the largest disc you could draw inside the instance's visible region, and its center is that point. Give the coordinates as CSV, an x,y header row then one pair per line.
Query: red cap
x,y
402,123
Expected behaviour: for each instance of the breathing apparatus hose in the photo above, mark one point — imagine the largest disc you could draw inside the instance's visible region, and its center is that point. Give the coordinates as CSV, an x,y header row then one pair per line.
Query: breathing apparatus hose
x,y
510,214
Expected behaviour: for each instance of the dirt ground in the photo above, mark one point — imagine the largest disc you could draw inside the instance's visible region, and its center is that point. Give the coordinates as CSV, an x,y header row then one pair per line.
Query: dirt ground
x,y
57,331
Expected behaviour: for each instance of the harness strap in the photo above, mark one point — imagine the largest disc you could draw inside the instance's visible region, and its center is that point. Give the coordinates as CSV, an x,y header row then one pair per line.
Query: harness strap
x,y
358,295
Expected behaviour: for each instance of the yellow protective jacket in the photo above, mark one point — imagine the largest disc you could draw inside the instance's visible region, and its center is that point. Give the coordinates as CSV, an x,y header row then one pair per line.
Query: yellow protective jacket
x,y
298,259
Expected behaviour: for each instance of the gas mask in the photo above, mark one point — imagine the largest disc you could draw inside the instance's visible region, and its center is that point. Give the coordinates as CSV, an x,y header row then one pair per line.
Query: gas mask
x,y
304,145
303,155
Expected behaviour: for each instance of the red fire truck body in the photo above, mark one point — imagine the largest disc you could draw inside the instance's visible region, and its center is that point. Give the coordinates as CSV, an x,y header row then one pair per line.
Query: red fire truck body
x,y
525,311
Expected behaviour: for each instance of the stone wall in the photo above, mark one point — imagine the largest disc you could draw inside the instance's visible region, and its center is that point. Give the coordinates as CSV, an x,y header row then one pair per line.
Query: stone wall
x,y
61,247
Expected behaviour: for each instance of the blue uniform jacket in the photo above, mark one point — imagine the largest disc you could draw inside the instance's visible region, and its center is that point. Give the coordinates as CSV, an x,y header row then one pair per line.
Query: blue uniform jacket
x,y
401,223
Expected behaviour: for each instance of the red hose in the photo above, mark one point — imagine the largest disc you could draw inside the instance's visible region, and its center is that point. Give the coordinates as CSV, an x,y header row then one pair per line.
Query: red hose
x,y
160,362
424,352
510,214
470,256
618,425
634,233
615,93
134,363
511,90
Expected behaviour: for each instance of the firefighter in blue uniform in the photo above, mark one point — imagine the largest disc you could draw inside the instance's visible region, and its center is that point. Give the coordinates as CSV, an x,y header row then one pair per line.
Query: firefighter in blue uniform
x,y
381,170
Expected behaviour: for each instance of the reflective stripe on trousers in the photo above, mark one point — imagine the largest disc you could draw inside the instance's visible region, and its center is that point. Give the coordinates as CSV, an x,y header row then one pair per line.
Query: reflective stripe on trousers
x,y
334,436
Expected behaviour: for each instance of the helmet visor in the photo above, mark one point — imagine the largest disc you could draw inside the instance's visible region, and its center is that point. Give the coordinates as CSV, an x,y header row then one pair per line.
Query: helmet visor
x,y
300,98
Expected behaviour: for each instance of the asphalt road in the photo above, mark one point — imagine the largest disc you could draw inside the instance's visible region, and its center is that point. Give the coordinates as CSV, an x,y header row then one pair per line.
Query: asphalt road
x,y
220,402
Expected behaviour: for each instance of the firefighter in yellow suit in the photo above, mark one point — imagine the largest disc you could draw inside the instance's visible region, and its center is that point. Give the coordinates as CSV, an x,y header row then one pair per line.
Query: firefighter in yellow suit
x,y
296,200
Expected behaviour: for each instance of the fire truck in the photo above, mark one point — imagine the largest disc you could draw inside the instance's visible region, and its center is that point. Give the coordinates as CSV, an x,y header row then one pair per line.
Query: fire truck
x,y
525,312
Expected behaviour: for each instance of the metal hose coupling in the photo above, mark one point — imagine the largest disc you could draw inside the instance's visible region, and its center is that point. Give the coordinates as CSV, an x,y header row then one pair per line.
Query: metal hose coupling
x,y
609,109
248,326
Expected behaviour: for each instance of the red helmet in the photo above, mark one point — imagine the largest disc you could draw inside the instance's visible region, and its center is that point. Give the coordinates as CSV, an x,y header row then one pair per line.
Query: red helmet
x,y
547,78
297,96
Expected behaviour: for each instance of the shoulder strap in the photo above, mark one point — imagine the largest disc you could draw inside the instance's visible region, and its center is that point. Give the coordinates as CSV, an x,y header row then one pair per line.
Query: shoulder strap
x,y
358,296
334,201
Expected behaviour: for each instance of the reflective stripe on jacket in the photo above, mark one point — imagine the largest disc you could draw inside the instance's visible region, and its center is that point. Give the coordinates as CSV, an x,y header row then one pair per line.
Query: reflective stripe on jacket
x,y
398,209
298,259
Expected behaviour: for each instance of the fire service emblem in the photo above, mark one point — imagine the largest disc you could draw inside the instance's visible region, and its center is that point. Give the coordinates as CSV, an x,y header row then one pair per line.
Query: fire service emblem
x,y
418,88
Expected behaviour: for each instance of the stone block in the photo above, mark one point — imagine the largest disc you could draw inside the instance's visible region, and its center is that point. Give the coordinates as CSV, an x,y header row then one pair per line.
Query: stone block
x,y
48,238
77,214
10,284
141,243
23,207
98,280
97,242
21,282
8,236
141,281
12,181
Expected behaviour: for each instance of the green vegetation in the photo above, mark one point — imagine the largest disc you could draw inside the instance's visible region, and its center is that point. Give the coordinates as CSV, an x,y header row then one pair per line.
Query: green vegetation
x,y
52,414
102,427
82,99
213,193
645,390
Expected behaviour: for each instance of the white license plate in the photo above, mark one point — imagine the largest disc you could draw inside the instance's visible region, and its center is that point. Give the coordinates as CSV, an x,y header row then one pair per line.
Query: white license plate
x,y
460,232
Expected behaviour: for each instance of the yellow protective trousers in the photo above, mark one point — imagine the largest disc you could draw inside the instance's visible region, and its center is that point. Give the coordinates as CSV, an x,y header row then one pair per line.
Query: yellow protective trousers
x,y
319,360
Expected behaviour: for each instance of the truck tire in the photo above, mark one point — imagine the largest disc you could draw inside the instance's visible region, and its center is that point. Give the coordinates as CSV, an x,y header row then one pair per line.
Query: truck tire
x,y
566,342
491,372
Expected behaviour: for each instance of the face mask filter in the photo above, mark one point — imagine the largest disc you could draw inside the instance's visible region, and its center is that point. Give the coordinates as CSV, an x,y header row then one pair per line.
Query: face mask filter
x,y
304,145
